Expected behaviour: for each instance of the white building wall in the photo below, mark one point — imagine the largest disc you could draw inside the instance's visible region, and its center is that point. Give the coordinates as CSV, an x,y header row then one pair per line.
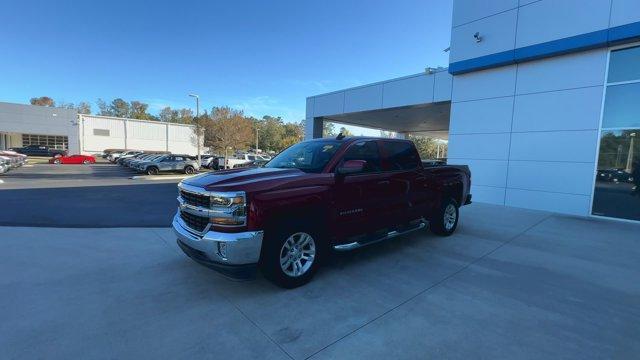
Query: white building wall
x,y
101,132
18,119
529,131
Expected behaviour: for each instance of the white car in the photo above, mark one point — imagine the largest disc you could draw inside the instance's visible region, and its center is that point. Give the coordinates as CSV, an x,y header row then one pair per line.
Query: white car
x,y
4,165
239,161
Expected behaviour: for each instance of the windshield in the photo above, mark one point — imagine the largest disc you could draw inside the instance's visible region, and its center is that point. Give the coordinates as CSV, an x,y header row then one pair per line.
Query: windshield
x,y
308,156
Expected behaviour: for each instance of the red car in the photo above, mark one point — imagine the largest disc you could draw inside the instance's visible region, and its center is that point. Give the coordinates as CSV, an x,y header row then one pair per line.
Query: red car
x,y
73,159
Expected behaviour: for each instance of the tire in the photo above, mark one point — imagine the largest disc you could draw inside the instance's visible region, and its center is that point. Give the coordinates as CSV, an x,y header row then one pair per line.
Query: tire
x,y
152,170
189,169
57,161
86,162
445,221
280,245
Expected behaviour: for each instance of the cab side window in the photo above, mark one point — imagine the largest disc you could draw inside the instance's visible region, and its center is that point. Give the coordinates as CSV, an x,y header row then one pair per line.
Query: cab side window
x,y
365,150
401,155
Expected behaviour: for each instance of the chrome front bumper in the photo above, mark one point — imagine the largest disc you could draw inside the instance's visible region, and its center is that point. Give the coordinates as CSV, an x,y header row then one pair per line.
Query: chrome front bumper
x,y
233,254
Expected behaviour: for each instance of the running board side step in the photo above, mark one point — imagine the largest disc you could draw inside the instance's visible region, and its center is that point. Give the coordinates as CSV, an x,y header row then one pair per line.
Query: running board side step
x,y
390,234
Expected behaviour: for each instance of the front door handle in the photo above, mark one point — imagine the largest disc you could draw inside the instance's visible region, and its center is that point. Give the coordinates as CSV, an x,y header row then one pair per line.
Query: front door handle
x,y
384,182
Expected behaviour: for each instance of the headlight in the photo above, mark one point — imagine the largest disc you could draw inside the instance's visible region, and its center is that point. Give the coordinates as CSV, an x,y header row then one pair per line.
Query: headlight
x,y
226,201
228,210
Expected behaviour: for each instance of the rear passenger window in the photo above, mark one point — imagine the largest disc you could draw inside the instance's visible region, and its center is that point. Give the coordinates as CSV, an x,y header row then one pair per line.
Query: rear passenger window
x,y
179,158
401,155
365,150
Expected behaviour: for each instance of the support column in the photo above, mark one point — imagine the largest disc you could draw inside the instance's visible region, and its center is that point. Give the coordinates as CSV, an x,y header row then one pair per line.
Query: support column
x,y
313,128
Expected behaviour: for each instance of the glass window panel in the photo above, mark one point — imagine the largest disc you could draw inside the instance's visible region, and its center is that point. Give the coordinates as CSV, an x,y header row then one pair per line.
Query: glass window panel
x,y
622,106
624,65
617,189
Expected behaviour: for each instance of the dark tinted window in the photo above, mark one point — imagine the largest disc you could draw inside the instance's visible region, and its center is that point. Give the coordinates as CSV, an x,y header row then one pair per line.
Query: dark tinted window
x,y
402,155
308,156
365,150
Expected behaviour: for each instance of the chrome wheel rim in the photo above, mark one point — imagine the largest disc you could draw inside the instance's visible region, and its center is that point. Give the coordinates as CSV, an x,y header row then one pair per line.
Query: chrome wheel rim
x,y
297,254
449,217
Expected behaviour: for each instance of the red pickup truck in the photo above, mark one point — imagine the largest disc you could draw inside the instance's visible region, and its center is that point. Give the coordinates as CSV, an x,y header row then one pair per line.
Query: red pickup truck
x,y
315,197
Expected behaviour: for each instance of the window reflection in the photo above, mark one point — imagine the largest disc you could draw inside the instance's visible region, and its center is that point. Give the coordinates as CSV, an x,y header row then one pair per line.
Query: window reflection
x,y
622,106
623,65
617,190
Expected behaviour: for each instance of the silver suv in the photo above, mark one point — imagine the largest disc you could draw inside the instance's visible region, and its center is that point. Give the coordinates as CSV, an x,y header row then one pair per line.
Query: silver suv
x,y
166,163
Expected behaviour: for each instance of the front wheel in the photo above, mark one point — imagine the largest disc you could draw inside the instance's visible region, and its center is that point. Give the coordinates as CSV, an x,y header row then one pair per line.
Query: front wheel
x,y
189,170
445,221
152,170
56,161
291,258
86,162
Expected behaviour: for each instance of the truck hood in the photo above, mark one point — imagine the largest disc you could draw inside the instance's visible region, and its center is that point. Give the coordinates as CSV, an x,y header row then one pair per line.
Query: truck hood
x,y
246,179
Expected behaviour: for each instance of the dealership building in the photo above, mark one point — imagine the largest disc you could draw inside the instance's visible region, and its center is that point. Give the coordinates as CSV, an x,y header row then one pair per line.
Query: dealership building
x,y
541,99
22,125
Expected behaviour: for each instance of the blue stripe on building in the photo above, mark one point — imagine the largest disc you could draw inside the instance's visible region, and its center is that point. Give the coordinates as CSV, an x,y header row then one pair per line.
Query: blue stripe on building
x,y
597,39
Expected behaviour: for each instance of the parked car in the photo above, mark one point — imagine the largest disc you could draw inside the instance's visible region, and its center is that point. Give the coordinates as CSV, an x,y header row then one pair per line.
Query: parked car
x,y
210,162
170,163
240,161
39,150
114,156
14,159
129,155
4,164
138,163
317,195
614,175
73,159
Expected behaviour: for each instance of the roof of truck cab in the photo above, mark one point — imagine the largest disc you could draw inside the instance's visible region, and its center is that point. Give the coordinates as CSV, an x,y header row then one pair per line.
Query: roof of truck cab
x,y
353,138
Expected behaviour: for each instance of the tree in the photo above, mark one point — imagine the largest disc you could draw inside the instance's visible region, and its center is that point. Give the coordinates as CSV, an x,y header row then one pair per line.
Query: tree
x,y
83,107
42,101
344,131
168,115
185,116
138,110
328,129
105,110
292,134
271,132
228,129
429,148
120,108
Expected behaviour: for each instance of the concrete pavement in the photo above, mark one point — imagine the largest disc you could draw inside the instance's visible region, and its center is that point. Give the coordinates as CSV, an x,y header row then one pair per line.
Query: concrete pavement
x,y
510,283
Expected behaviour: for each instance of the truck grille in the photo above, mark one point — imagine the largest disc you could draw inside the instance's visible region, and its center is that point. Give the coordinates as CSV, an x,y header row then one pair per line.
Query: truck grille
x,y
195,199
195,222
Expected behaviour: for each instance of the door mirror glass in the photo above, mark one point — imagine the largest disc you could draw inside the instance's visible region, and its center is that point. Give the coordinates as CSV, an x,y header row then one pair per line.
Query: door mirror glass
x,y
352,167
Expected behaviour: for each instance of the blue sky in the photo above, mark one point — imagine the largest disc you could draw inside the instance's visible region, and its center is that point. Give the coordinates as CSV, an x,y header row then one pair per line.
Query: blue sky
x,y
264,57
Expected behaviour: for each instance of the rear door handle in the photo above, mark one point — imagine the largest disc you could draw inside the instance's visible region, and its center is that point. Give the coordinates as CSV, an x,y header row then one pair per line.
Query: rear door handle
x,y
384,182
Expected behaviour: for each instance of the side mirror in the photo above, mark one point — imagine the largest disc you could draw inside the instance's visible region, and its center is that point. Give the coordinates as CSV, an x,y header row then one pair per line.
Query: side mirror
x,y
351,167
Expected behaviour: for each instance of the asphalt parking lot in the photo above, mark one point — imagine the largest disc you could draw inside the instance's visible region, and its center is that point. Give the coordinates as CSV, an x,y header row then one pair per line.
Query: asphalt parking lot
x,y
99,195
511,283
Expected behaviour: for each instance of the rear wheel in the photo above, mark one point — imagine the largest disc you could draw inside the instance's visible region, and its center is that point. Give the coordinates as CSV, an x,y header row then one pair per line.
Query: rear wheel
x,y
445,221
189,169
152,170
291,257
56,161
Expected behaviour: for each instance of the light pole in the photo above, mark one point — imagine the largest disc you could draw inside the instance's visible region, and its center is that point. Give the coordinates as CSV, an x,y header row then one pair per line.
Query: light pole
x,y
630,156
257,129
197,123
